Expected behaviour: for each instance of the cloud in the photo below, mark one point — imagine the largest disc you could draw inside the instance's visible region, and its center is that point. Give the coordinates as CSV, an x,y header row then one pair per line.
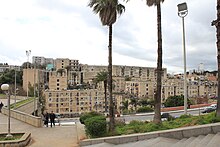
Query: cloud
x,y
69,29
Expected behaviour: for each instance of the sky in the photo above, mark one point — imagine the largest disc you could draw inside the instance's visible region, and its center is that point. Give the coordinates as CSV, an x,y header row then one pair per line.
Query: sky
x,y
70,29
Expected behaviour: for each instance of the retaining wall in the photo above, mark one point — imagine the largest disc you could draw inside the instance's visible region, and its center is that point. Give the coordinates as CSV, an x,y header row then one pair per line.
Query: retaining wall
x,y
173,133
23,141
27,118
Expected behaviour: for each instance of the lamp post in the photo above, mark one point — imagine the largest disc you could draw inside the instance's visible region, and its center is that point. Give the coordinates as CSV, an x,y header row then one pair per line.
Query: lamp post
x,y
182,12
5,87
28,53
15,90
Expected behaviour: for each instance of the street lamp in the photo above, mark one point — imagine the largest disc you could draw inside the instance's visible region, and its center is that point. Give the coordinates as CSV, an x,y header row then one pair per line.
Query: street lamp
x,y
28,53
182,12
5,87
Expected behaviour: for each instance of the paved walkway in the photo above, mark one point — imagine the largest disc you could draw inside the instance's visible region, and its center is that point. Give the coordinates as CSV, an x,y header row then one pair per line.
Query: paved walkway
x,y
59,136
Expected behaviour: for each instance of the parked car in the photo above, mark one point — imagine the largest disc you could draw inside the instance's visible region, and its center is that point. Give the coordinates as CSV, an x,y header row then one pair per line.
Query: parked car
x,y
208,109
166,116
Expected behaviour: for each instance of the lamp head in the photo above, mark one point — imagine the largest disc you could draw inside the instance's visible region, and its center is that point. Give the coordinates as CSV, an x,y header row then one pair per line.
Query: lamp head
x,y
182,9
5,87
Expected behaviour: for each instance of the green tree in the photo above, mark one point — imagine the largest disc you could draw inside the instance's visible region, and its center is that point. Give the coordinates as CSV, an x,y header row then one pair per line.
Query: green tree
x,y
25,64
8,77
108,11
102,77
174,101
157,114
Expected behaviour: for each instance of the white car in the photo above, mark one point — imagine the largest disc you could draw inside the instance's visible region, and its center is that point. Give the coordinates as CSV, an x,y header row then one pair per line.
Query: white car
x,y
214,106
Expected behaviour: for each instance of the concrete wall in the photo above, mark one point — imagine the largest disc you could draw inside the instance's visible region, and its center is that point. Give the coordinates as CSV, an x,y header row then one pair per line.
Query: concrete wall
x,y
23,141
28,107
27,118
173,133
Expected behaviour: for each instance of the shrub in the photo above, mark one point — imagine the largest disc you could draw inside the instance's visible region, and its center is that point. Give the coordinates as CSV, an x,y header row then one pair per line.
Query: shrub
x,y
85,116
119,122
185,116
144,109
96,126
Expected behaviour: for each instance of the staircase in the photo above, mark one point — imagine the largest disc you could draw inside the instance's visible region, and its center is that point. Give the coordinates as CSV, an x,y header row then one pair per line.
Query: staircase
x,y
210,140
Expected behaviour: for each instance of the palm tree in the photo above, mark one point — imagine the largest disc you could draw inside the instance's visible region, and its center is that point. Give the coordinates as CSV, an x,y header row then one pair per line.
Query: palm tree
x,y
125,105
108,11
102,77
134,103
157,114
217,24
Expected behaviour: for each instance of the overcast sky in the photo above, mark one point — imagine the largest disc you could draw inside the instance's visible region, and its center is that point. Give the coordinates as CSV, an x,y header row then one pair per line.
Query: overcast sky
x,y
69,29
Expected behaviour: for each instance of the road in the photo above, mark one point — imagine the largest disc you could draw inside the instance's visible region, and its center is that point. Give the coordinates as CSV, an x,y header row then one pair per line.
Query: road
x,y
149,116
139,117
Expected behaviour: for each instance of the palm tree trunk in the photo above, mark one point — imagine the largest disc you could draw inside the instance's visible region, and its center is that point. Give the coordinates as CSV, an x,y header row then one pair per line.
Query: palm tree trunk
x,y
218,56
157,114
105,92
111,105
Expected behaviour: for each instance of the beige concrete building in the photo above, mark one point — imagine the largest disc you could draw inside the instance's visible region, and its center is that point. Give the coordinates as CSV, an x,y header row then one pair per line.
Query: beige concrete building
x,y
137,81
31,76
58,80
75,102
61,63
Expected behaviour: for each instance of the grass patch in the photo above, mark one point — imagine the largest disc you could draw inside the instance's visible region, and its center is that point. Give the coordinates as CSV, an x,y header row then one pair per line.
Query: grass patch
x,y
15,137
183,121
22,102
2,95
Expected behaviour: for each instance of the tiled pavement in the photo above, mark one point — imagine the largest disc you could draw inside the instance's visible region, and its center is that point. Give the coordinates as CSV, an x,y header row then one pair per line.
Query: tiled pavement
x,y
59,136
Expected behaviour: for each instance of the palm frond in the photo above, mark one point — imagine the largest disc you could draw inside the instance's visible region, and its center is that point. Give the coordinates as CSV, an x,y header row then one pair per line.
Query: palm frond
x,y
107,10
120,9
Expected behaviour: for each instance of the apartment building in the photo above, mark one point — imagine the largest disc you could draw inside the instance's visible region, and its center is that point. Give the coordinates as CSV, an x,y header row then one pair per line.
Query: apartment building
x,y
61,63
40,60
76,102
137,81
58,80
31,76
5,66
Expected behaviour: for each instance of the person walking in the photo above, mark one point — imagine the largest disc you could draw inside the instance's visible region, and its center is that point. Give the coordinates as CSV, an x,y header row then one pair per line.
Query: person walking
x,y
46,119
1,105
52,119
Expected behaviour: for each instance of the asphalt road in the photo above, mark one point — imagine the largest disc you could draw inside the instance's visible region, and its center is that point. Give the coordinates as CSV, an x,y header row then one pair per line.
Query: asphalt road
x,y
149,116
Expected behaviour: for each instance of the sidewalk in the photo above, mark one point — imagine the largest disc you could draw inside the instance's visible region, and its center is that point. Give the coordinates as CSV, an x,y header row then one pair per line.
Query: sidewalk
x,y
59,136
182,107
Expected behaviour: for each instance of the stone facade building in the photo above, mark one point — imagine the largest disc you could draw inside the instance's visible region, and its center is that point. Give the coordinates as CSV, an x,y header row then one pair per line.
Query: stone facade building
x,y
70,88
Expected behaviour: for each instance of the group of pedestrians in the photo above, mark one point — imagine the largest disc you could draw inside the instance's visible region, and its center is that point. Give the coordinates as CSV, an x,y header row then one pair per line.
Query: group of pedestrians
x,y
49,116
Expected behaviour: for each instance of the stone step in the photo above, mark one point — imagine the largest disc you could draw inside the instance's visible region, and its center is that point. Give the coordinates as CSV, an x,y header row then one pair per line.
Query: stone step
x,y
165,142
196,141
215,141
187,142
205,140
135,144
179,143
104,144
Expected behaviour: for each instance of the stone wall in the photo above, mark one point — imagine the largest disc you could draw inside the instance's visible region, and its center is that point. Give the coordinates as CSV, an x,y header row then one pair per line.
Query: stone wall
x,y
23,141
27,118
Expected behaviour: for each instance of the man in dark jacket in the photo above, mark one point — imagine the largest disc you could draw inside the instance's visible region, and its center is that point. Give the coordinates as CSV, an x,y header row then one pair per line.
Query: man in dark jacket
x,y
1,105
52,119
46,119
